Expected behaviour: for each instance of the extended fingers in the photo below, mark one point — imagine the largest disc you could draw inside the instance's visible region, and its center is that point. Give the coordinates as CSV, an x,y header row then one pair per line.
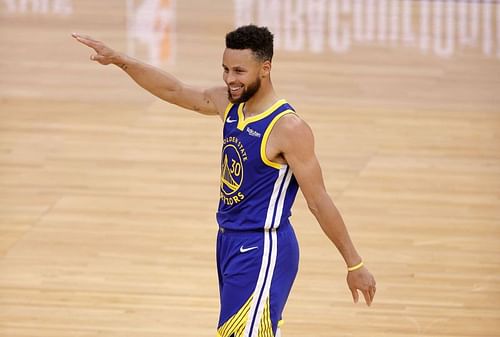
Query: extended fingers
x,y
368,298
82,37
372,292
369,293
355,295
363,281
86,40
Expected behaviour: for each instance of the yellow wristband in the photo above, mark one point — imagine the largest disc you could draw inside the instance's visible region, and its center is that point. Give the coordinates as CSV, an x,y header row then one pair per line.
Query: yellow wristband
x,y
356,267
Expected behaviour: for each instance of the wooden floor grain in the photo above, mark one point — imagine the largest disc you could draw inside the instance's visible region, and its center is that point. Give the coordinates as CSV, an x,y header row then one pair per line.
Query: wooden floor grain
x,y
108,195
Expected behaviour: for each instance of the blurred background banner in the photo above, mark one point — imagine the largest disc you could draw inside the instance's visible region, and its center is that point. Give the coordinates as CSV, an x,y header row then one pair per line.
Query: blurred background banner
x,y
441,28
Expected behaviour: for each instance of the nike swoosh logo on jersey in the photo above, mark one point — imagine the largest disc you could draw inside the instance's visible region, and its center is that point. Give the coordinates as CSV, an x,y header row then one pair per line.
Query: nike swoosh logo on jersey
x,y
229,120
244,250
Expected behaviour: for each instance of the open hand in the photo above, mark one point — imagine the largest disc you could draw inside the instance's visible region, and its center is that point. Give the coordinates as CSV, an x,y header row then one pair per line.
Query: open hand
x,y
363,281
104,55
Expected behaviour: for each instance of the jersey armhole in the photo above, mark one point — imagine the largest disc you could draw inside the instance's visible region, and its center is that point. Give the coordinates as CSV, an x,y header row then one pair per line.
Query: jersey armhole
x,y
226,112
263,145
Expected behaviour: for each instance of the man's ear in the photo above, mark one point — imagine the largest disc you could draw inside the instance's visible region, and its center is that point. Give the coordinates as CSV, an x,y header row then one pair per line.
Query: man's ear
x,y
265,70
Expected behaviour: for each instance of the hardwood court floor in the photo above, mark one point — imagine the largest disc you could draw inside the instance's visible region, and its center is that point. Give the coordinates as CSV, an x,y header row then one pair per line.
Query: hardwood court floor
x,y
107,195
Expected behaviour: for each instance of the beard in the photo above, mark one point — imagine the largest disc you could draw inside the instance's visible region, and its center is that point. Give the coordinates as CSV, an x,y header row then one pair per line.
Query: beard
x,y
248,92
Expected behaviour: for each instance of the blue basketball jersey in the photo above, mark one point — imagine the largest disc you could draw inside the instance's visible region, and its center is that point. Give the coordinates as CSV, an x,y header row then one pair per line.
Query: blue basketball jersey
x,y
255,193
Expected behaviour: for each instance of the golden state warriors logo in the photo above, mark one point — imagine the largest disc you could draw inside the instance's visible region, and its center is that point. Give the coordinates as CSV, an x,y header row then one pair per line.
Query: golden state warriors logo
x,y
232,171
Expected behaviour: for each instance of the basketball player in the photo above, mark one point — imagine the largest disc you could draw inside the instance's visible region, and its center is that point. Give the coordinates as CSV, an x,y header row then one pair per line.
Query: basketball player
x,y
267,154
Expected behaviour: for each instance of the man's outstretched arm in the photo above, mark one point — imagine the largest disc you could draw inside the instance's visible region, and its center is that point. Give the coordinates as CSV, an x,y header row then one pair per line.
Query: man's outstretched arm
x,y
212,101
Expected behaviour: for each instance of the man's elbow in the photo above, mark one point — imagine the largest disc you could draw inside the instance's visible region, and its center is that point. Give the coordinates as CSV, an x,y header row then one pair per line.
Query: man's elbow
x,y
318,203
313,207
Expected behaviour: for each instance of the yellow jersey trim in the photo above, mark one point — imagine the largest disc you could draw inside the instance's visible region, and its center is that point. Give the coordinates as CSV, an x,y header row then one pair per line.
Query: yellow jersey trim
x,y
263,145
229,106
242,122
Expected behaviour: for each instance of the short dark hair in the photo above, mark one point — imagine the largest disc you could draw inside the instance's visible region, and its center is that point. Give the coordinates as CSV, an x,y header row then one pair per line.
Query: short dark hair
x,y
257,39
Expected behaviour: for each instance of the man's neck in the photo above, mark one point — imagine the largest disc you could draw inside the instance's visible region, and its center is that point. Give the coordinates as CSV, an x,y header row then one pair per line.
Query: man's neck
x,y
260,102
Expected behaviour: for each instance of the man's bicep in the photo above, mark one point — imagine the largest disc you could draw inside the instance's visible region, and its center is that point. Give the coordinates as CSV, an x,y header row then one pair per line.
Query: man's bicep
x,y
300,156
308,173
211,101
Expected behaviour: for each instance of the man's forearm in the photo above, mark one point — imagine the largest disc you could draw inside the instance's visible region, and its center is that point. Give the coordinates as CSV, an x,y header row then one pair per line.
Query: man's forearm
x,y
333,226
154,80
